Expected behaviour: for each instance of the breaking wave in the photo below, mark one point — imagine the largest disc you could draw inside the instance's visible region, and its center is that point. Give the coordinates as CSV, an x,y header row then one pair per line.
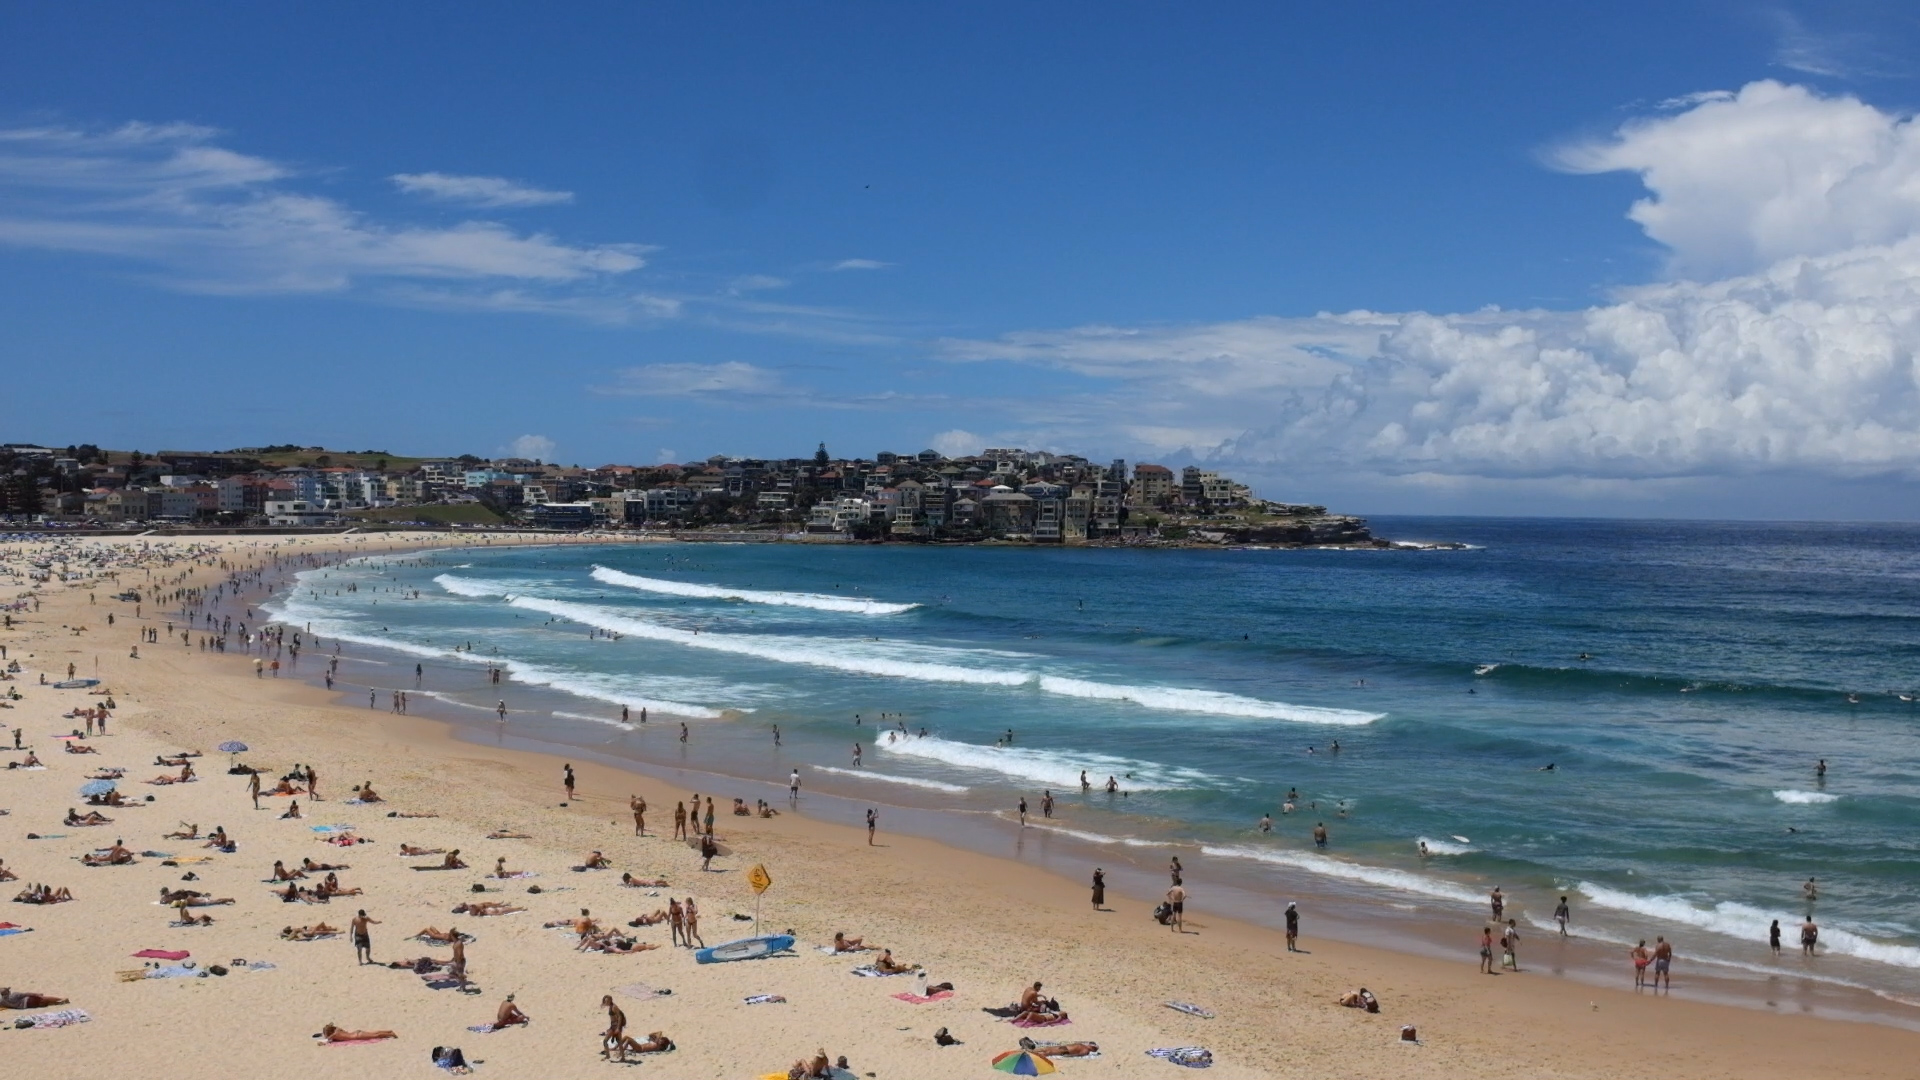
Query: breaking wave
x,y
816,601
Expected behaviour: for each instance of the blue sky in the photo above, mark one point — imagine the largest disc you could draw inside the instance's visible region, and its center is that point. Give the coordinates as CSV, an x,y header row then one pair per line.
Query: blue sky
x,y
1387,257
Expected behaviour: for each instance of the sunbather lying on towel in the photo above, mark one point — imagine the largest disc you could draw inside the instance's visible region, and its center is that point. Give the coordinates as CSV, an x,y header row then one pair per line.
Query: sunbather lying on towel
x,y
1054,1050
308,933
43,894
843,943
632,882
508,834
191,898
92,817
187,831
316,867
409,849
655,1043
336,1034
487,907
654,919
442,937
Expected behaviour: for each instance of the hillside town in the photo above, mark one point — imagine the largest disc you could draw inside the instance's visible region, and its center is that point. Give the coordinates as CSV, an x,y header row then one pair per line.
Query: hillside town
x,y
1008,495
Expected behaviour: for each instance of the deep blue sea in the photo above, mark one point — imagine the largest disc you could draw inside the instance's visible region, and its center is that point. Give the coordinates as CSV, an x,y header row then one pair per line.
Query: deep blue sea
x,y
1721,663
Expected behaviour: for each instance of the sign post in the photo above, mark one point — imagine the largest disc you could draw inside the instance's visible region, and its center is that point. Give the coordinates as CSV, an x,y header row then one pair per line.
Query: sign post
x,y
761,882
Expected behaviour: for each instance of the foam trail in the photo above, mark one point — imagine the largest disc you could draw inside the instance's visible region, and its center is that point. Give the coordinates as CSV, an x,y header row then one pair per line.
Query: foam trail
x,y
1747,923
1096,838
1399,880
1204,701
580,684
1443,847
817,652
896,660
816,601
887,778
1805,798
1048,768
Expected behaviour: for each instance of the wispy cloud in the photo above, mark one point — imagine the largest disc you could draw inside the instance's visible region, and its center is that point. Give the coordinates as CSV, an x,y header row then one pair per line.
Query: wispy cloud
x,y
203,217
1829,54
729,378
486,192
860,264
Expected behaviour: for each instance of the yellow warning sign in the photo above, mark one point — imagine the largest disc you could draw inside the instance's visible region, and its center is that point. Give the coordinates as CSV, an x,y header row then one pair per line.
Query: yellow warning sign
x,y
758,878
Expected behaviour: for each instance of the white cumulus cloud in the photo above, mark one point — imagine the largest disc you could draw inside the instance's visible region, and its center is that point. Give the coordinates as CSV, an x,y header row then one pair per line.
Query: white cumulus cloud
x,y
537,447
1738,181
1796,358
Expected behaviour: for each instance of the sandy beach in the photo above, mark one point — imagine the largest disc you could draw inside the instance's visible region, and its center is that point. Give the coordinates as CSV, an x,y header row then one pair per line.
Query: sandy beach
x,y
988,926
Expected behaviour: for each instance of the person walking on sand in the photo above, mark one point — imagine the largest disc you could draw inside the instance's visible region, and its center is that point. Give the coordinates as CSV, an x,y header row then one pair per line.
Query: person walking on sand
x,y
676,920
1509,947
679,821
1046,803
362,937
1176,908
793,787
683,732
693,924
253,788
1486,950
709,816
313,785
1561,914
1099,889
873,822
567,782
639,807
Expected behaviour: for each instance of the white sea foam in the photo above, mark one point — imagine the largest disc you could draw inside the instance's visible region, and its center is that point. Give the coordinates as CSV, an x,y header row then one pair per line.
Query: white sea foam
x,y
816,601
1048,768
1098,838
1212,702
1748,923
925,663
1326,866
1805,798
888,778
1443,847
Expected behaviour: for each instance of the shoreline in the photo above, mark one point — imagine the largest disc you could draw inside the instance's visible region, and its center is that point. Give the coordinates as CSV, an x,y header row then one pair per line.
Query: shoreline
x,y
1009,923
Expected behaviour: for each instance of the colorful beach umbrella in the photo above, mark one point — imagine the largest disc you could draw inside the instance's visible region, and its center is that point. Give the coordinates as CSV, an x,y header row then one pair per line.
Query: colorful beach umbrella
x,y
233,747
96,787
1023,1063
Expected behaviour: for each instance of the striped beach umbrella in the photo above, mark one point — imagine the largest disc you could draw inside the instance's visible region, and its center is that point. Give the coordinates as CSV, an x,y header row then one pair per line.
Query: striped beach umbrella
x,y
1023,1063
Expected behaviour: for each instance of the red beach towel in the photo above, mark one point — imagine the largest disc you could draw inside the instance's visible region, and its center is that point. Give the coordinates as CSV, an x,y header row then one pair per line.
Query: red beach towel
x,y
162,954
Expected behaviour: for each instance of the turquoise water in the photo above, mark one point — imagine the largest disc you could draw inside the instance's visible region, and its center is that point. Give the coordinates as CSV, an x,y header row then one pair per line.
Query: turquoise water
x,y
1210,683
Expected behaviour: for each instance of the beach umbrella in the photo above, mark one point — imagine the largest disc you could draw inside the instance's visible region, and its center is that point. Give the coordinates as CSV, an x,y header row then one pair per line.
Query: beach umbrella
x,y
1023,1063
233,746
96,787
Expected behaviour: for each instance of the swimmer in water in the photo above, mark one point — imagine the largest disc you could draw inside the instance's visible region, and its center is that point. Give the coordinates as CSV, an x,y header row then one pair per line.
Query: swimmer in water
x,y
1423,850
1548,767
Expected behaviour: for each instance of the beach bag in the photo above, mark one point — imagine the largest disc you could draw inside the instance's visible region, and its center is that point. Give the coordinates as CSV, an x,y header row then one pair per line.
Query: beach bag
x,y
1408,1034
1162,913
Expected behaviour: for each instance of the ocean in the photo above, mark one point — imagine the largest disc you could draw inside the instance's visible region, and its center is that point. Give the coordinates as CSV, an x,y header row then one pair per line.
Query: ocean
x,y
1683,680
